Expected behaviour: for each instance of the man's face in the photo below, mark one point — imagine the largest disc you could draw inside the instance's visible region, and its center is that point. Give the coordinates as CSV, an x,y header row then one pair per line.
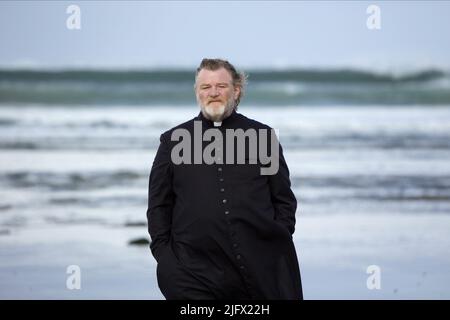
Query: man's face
x,y
215,93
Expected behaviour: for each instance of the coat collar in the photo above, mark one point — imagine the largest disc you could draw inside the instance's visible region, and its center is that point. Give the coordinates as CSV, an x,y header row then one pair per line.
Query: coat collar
x,y
225,122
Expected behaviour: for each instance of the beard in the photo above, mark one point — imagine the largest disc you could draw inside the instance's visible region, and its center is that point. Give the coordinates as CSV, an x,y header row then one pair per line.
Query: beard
x,y
217,113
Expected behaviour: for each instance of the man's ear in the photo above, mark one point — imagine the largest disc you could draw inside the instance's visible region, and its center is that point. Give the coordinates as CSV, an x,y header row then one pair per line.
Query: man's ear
x,y
237,92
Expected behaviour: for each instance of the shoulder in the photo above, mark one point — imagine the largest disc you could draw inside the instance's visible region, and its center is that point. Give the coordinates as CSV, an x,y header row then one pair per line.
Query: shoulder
x,y
251,123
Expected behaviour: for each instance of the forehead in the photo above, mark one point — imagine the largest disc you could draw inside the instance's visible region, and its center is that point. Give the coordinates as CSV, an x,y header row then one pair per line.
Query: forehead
x,y
214,76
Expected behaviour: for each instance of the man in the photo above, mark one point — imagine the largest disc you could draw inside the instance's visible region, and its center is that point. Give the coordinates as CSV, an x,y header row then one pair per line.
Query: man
x,y
222,229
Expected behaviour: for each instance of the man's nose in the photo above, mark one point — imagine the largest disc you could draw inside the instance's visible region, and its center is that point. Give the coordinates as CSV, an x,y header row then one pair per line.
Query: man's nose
x,y
214,92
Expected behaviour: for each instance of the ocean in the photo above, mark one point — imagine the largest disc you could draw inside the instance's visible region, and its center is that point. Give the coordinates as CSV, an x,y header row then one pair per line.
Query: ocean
x,y
266,87
76,148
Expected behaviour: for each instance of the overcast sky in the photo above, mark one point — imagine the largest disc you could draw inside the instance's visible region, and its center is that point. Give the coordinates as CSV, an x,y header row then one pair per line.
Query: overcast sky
x,y
257,34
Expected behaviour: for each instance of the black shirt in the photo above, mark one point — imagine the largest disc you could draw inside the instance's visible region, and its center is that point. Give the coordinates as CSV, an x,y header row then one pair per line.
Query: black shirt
x,y
222,229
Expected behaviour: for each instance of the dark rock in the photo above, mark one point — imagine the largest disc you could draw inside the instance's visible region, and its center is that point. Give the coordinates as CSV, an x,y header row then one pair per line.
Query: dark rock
x,y
4,232
139,242
136,224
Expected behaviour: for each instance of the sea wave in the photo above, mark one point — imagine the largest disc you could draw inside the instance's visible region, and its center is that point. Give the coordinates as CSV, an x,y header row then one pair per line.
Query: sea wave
x,y
266,87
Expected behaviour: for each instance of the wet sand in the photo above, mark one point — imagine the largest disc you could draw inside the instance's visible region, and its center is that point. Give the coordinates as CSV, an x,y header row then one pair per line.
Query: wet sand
x,y
334,253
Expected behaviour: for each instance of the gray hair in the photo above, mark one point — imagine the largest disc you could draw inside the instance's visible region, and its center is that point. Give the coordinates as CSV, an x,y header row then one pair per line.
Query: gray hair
x,y
239,78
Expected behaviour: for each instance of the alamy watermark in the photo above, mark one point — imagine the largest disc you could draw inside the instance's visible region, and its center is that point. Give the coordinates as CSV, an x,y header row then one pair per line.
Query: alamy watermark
x,y
73,22
73,281
373,22
213,152
374,280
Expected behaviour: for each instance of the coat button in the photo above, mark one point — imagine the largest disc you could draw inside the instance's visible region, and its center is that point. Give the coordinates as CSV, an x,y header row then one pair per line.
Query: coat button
x,y
238,256
221,179
227,212
224,200
222,190
235,245
220,169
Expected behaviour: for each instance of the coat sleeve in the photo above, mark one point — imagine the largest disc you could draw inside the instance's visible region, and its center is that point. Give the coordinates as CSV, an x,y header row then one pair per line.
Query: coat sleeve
x,y
283,199
160,199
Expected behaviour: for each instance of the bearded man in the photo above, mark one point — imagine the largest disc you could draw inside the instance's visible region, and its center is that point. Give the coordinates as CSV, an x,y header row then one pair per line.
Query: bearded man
x,y
220,218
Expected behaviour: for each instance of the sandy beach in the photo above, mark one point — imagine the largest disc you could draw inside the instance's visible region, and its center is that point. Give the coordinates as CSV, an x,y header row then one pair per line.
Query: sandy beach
x,y
334,253
372,184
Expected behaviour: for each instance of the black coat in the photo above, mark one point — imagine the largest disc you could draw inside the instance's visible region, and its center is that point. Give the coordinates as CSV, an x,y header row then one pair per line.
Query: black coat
x,y
222,231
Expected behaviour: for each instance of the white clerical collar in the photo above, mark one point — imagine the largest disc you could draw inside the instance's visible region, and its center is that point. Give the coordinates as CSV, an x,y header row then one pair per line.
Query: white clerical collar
x,y
217,124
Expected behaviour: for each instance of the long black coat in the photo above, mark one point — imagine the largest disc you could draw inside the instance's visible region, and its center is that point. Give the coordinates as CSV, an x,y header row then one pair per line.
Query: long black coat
x,y
222,231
